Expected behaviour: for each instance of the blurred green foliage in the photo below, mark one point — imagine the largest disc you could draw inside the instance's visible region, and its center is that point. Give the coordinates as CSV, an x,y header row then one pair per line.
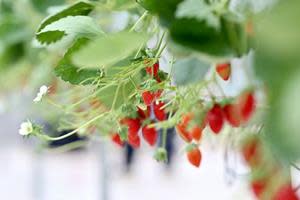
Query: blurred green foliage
x,y
277,63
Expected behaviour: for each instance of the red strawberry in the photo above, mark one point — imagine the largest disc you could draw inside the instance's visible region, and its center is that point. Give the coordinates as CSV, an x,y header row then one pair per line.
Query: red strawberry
x,y
158,93
133,125
184,134
224,70
232,114
117,140
144,114
215,118
150,135
286,192
247,105
250,151
196,133
153,70
134,140
159,113
186,119
258,187
148,97
194,156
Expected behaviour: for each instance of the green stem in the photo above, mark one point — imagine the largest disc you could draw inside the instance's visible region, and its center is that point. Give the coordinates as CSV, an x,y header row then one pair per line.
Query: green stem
x,y
49,138
133,83
138,21
115,97
160,41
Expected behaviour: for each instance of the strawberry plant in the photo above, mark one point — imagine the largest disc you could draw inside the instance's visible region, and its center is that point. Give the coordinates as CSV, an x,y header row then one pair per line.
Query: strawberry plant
x,y
166,64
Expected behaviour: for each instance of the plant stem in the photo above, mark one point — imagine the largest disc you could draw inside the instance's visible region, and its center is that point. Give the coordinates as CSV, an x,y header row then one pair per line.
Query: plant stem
x,y
115,97
49,138
138,21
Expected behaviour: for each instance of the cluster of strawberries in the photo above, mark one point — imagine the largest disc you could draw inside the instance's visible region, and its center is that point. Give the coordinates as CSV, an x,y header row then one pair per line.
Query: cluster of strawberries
x,y
235,113
268,183
143,120
190,131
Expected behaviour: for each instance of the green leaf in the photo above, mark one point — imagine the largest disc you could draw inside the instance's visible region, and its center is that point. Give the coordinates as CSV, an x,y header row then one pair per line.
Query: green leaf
x,y
68,72
12,31
277,64
198,9
189,70
165,9
108,50
75,26
197,35
80,8
50,36
43,5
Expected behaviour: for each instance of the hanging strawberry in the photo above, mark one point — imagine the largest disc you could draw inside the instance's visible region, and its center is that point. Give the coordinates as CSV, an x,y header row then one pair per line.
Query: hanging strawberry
x,y
182,127
132,124
150,135
149,96
134,140
247,104
258,187
144,114
117,139
196,133
251,151
224,70
286,192
153,70
183,133
159,112
194,155
232,114
215,118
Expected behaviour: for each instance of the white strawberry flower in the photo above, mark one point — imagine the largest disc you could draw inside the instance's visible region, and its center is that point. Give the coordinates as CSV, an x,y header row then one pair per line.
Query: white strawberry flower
x,y
42,92
26,128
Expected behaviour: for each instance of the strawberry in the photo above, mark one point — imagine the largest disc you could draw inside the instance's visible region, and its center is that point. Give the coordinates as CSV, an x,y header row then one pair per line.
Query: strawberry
x,y
194,156
224,70
148,97
144,114
184,134
153,70
232,114
117,140
251,151
159,113
150,135
247,105
215,118
196,133
132,124
258,187
183,125
285,192
158,93
134,140
186,119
